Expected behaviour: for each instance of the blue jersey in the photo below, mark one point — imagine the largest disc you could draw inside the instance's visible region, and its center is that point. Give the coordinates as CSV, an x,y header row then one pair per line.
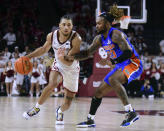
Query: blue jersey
x,y
112,48
132,68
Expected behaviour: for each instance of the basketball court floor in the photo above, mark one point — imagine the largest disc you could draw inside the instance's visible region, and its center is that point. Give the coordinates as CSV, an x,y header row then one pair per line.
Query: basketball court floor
x,y
109,115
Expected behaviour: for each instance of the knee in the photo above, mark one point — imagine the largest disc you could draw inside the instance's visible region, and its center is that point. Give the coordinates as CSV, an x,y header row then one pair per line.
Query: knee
x,y
52,85
99,93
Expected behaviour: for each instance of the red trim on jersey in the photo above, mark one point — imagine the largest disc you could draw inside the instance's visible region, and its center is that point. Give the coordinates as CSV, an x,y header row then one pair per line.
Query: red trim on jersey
x,y
52,37
55,68
69,90
74,35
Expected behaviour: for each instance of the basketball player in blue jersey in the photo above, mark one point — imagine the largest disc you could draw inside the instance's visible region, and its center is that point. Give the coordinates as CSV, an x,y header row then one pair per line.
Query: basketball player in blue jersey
x,y
123,58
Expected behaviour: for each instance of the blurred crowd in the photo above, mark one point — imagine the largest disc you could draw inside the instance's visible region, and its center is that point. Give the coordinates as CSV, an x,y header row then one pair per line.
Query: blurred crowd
x,y
19,25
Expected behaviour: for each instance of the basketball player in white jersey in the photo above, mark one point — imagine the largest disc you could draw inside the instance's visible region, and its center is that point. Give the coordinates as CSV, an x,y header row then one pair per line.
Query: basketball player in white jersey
x,y
68,71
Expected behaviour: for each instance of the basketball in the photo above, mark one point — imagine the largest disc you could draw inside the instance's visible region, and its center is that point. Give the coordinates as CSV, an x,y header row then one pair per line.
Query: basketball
x,y
23,65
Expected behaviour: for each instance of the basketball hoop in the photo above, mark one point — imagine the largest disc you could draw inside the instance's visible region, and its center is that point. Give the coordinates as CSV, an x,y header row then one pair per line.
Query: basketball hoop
x,y
124,22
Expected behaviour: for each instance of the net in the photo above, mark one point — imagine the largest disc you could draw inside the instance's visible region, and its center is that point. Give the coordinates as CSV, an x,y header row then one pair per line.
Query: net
x,y
124,22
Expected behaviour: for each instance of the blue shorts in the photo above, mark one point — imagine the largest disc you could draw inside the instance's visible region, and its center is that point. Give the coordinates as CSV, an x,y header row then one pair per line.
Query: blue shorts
x,y
132,69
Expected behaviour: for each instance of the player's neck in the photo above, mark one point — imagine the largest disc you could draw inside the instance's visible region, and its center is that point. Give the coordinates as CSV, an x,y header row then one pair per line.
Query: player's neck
x,y
106,33
62,37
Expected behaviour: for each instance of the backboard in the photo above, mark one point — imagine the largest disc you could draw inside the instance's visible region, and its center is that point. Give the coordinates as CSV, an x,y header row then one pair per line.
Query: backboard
x,y
136,9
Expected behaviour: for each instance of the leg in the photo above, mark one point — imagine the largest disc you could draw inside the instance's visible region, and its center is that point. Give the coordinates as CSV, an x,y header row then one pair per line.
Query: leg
x,y
116,81
65,106
19,88
11,86
2,86
49,88
67,100
32,89
103,89
37,89
45,94
96,100
7,89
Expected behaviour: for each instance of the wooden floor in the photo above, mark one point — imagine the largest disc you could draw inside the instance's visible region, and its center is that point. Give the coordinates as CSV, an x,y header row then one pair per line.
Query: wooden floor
x,y
107,119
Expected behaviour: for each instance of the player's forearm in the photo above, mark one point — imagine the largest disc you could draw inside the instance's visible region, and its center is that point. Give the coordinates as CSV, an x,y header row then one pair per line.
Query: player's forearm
x,y
38,52
82,55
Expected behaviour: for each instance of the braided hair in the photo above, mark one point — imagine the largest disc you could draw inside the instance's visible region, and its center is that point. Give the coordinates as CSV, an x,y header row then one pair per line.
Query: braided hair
x,y
113,14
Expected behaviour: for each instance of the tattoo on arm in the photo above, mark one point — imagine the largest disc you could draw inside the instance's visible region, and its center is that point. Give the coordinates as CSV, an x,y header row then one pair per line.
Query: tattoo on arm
x,y
119,38
69,98
82,55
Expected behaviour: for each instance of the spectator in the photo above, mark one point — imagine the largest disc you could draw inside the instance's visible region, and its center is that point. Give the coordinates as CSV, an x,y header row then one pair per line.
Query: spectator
x,y
7,54
26,51
10,37
9,72
27,83
154,79
161,44
84,45
16,56
42,70
35,80
16,51
19,81
147,89
141,46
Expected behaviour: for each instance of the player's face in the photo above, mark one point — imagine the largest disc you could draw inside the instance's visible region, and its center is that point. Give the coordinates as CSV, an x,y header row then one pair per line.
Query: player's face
x,y
100,25
66,26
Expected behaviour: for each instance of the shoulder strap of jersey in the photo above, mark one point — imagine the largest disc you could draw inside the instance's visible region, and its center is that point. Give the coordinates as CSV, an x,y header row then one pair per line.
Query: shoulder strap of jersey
x,y
53,33
72,36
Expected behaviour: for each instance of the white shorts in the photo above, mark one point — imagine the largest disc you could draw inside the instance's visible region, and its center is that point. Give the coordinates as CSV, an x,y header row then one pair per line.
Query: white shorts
x,y
9,79
19,79
34,80
70,76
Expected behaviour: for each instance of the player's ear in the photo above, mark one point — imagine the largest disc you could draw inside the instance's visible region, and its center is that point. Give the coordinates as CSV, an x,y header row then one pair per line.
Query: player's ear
x,y
108,24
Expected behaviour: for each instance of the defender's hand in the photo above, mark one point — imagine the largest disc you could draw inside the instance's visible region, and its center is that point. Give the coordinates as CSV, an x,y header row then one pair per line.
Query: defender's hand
x,y
68,58
103,62
106,62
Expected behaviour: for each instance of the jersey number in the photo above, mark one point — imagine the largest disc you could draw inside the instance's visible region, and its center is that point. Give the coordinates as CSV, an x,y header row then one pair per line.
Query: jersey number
x,y
112,54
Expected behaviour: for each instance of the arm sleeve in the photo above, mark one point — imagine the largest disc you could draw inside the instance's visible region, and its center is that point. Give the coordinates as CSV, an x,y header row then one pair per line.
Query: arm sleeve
x,y
125,55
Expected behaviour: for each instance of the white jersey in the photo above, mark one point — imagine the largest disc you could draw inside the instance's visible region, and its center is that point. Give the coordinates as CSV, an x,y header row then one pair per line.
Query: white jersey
x,y
67,45
70,74
9,68
35,79
9,79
